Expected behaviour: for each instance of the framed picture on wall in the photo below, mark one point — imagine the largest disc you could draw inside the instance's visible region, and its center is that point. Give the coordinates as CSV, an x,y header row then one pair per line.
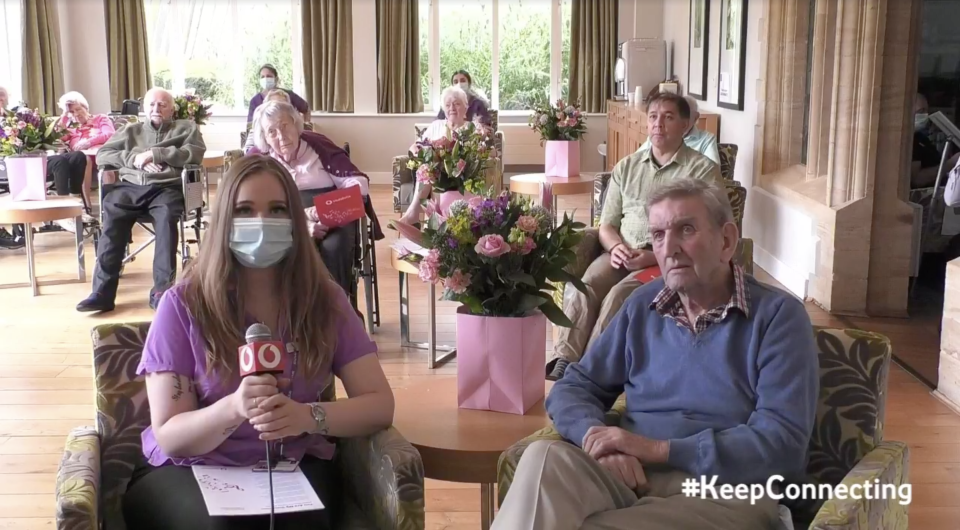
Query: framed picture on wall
x,y
733,54
699,49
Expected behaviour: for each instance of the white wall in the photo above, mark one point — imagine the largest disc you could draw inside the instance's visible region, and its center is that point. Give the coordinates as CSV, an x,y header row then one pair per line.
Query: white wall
x,y
84,51
768,220
642,19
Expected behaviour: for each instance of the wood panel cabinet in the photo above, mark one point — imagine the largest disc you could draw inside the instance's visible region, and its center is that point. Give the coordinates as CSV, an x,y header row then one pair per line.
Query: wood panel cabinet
x,y
627,129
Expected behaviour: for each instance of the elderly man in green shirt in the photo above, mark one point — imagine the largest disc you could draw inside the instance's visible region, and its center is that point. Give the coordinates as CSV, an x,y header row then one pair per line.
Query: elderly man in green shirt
x,y
624,233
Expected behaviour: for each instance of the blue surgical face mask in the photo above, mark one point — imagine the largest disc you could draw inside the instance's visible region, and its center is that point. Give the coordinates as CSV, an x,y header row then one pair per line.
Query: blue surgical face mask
x,y
261,243
268,82
920,120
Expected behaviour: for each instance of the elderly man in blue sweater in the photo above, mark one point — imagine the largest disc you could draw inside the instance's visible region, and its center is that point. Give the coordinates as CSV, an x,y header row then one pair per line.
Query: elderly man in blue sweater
x,y
721,380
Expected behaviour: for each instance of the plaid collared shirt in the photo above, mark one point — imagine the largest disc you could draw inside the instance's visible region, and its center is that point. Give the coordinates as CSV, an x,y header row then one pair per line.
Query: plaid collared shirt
x,y
668,304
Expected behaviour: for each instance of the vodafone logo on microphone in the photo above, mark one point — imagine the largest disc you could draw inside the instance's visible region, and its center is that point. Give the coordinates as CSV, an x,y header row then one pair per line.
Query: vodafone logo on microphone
x,y
261,357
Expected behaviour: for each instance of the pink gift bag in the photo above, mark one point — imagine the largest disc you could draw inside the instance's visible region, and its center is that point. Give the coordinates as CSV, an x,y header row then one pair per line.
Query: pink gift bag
x,y
28,177
500,362
562,159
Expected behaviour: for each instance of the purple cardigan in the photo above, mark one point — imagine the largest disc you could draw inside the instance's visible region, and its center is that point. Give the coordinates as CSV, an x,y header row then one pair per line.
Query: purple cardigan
x,y
337,162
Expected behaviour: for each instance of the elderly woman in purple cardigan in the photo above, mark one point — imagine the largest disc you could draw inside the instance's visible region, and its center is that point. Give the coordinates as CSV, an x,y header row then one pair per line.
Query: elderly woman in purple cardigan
x,y
318,166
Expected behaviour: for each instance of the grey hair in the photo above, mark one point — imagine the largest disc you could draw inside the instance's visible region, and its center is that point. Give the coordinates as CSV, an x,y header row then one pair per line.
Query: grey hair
x,y
269,113
73,97
453,92
274,92
714,197
694,110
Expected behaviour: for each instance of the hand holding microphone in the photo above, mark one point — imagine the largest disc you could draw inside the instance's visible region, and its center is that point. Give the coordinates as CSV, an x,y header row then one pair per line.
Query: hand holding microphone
x,y
261,361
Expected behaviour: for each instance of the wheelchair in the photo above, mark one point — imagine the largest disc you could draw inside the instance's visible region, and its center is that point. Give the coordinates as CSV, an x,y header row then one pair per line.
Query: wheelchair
x,y
192,186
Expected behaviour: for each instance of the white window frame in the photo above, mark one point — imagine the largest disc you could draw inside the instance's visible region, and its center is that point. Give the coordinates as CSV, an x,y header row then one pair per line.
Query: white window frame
x,y
178,56
556,56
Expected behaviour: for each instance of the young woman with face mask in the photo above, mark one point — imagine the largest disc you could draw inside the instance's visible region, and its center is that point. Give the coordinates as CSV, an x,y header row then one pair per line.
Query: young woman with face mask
x,y
477,104
257,264
269,80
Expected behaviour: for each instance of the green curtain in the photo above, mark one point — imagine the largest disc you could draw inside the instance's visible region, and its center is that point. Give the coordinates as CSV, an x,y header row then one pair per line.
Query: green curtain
x,y
398,57
127,51
328,54
42,62
593,52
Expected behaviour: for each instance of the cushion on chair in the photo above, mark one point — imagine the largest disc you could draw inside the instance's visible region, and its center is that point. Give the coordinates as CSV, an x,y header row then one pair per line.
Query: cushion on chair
x,y
728,160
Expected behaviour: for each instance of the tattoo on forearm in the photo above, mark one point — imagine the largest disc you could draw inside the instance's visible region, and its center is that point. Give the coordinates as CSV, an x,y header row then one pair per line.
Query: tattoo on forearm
x,y
229,430
177,387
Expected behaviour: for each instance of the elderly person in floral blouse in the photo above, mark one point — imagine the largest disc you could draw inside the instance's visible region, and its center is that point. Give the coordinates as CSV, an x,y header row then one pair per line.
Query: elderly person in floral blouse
x,y
455,103
85,134
318,166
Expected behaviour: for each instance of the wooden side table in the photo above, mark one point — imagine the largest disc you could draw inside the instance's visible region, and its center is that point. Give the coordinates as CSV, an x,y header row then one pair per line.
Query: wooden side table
x,y
211,160
533,183
461,445
405,269
29,212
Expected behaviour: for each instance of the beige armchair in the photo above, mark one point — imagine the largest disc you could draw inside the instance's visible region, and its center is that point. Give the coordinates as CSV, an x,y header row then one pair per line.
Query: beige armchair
x,y
404,181
383,473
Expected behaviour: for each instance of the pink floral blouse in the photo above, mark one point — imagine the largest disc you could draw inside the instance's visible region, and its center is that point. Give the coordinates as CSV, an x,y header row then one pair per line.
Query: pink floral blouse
x,y
98,129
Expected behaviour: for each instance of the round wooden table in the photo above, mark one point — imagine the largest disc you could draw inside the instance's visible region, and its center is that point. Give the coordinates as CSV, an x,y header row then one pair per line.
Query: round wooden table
x,y
29,212
549,188
405,270
461,445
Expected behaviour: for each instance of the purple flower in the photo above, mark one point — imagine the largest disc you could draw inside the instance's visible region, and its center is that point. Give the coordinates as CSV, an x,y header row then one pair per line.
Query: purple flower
x,y
451,242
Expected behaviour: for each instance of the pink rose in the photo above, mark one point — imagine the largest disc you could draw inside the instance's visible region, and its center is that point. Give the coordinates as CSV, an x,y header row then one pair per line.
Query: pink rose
x,y
528,246
458,282
492,246
461,165
425,175
429,270
415,149
528,224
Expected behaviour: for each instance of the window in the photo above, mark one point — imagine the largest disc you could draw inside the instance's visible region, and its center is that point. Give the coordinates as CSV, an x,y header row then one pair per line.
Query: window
x,y
11,56
517,51
215,47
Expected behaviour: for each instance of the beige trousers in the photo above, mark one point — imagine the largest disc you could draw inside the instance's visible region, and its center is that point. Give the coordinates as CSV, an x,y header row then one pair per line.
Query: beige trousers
x,y
559,487
591,312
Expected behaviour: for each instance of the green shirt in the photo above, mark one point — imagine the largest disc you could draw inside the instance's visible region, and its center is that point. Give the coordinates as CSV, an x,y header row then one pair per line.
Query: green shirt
x,y
635,177
703,142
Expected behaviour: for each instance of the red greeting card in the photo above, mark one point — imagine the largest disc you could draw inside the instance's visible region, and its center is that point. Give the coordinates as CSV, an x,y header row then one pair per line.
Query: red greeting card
x,y
649,274
340,207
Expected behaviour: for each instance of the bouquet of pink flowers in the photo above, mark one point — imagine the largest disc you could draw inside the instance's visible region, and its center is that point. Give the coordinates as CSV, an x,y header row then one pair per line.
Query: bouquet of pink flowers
x,y
28,131
190,107
454,162
562,122
498,255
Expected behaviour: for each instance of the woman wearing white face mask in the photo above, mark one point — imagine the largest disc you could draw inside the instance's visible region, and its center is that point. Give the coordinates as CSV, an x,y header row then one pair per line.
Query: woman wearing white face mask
x,y
477,104
258,264
269,79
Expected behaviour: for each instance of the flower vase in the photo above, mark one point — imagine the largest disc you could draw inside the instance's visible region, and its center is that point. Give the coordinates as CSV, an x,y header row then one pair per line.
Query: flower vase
x,y
500,361
562,159
27,174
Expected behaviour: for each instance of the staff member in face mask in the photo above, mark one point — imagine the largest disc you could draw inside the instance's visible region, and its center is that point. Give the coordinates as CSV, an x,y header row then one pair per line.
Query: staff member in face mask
x,y
258,265
268,81
477,104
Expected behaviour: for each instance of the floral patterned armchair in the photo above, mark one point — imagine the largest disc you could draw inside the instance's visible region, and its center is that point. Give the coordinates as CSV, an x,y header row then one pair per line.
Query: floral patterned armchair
x,y
404,181
384,472
846,445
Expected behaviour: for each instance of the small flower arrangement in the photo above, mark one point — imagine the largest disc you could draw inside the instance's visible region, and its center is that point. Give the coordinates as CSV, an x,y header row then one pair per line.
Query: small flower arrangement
x,y
190,107
561,122
497,256
454,162
29,131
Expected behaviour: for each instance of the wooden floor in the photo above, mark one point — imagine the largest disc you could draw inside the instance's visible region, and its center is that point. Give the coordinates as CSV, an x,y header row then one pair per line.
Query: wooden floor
x,y
46,386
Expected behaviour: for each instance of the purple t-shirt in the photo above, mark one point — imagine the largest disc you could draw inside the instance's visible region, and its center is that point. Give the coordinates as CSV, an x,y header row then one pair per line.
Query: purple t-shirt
x,y
298,103
174,344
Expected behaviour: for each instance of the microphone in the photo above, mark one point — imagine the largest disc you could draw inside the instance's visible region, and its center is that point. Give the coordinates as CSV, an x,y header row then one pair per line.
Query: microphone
x,y
259,356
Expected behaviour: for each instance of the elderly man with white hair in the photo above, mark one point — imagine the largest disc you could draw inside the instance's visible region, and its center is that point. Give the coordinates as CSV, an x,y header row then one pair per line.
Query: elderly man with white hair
x,y
150,157
703,142
318,166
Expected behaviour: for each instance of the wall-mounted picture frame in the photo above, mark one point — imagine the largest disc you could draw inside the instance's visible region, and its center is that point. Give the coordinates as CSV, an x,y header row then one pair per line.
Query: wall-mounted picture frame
x,y
699,49
733,54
